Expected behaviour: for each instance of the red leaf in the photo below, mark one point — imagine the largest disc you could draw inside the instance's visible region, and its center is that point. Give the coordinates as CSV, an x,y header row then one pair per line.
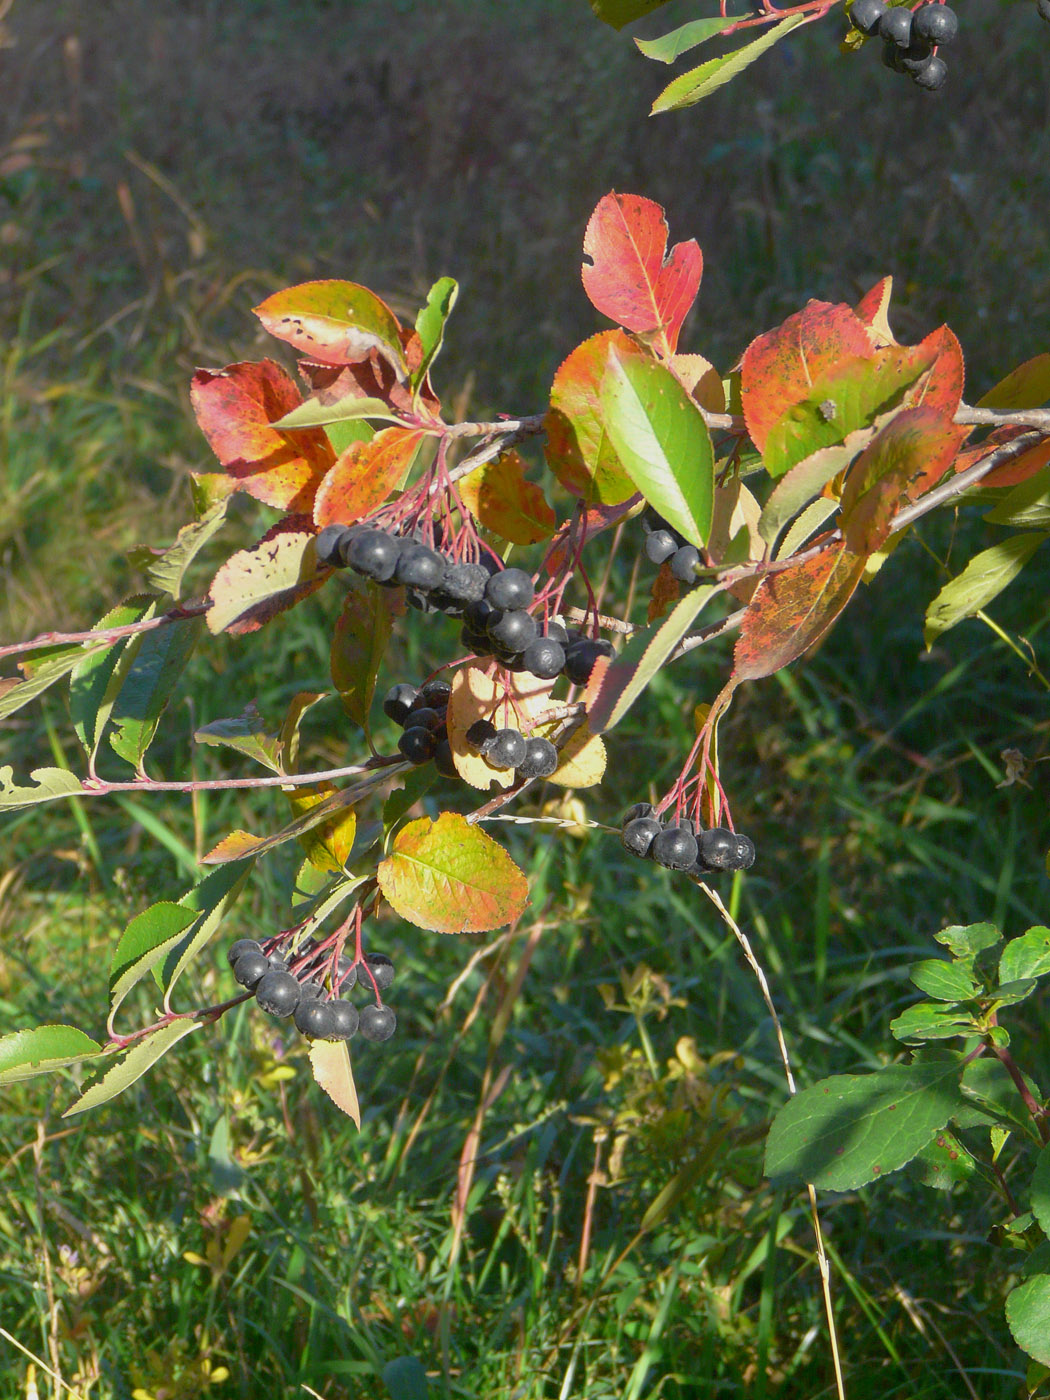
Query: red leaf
x,y
334,322
631,278
1017,469
666,592
235,407
581,529
941,388
907,458
793,609
577,449
780,367
365,475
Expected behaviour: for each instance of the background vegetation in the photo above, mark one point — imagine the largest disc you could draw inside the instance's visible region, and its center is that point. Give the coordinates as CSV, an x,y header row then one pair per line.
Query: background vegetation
x,y
162,167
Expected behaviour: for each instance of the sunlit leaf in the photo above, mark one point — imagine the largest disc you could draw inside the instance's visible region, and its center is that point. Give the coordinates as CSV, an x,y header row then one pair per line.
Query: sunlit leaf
x,y
334,322
48,784
690,87
256,584
1028,1316
430,324
984,578
245,733
365,475
329,844
576,445
41,1050
1026,956
499,497
133,1064
330,1062
168,569
1027,386
145,943
96,679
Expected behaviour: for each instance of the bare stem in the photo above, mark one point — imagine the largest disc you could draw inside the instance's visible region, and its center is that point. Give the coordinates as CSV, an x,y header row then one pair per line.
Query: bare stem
x,y
107,635
99,787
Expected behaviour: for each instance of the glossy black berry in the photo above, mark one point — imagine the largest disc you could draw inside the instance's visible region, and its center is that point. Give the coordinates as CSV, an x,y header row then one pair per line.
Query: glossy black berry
x,y
540,761
398,701
935,23
639,835
506,749
423,717
916,57
250,969
243,945
721,849
513,630
278,993
377,1023
327,546
310,990
315,1019
476,642
640,809
277,963
544,658
465,583
346,978
557,631
437,693
683,565
479,733
418,744
419,567
892,56
382,969
345,1020
675,848
580,659
476,615
443,760
510,589
895,24
865,15
659,545
932,76
375,554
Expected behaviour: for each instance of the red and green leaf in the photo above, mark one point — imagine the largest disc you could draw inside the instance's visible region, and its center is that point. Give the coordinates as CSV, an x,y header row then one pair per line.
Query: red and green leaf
x,y
632,278
365,475
256,584
577,447
499,497
941,388
335,322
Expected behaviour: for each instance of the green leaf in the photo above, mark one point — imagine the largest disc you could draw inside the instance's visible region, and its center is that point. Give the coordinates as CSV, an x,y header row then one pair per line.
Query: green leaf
x,y
662,441
925,1021
133,1064
947,981
342,434
1028,386
1028,1316
965,940
417,783
1010,993
617,13
1027,956
227,1177
614,689
42,669
256,584
168,569
430,324
145,941
360,638
699,82
41,1050
1040,1198
800,485
245,733
450,876
944,1163
95,681
313,414
405,1379
807,523
987,1086
210,900
984,578
854,1128
148,687
1026,505
685,37
51,783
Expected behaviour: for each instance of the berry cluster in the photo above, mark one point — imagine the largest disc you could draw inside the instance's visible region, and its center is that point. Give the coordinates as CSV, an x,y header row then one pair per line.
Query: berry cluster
x,y
302,994
664,545
909,38
422,715
683,845
504,749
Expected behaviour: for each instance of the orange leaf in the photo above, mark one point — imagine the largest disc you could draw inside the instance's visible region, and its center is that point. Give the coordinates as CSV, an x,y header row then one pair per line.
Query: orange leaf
x,y
941,388
793,609
334,322
631,278
235,407
666,592
780,367
365,475
499,497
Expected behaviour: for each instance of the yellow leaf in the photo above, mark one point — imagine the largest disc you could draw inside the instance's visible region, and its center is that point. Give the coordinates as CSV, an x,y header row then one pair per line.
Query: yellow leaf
x,y
327,845
330,1061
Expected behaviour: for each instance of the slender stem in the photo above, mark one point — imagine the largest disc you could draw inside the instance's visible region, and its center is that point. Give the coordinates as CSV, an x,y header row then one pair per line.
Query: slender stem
x,y
107,635
1028,661
1034,1107
98,787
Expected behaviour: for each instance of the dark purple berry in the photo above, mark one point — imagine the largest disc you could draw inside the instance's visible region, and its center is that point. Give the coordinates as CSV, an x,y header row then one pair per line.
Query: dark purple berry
x,y
377,1023
580,659
683,565
423,717
476,615
398,701
465,583
418,744
675,848
506,749
375,554
557,631
345,1020
544,658
315,1019
437,693
540,761
443,760
722,849
932,76
916,57
937,24
382,969
243,945
278,993
639,835
510,589
640,809
865,15
479,733
512,630
250,969
419,567
310,990
476,642
346,977
659,545
327,546
895,24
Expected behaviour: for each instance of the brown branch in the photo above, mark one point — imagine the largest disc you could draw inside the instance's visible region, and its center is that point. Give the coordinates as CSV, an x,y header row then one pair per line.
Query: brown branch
x,y
99,787
106,635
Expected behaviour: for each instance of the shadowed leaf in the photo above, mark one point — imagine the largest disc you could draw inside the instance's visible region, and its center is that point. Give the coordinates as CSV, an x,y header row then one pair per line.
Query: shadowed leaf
x,y
148,686
500,499
984,578
359,642
577,447
245,733
685,37
1028,386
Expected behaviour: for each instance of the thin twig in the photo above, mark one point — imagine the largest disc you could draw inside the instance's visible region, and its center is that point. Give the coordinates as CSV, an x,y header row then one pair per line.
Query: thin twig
x,y
99,787
105,635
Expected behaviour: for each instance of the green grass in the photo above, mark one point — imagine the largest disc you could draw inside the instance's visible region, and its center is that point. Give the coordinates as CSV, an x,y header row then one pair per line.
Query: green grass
x,y
287,150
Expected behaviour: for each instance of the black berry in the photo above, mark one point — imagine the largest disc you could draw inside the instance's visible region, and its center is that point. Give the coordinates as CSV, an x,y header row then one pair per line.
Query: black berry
x,y
675,848
398,701
721,849
423,717
659,545
895,24
476,615
544,658
916,57
345,1020
480,732
315,1019
375,554
346,977
557,631
932,76
639,835
418,744
382,970
865,15
506,749
683,565
540,761
935,23
465,583
327,546
443,760
278,993
377,1023
310,990
475,641
437,693
510,589
250,969
513,630
243,945
419,567
640,809
580,659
